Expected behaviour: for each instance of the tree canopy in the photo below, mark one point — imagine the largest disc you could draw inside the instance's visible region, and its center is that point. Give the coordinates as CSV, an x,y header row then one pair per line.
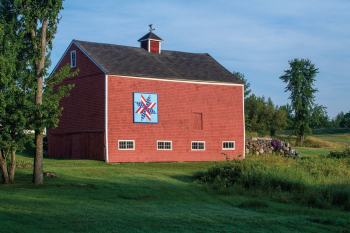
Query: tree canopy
x,y
300,80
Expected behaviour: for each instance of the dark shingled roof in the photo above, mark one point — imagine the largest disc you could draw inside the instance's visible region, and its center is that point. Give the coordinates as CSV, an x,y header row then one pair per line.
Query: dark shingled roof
x,y
132,61
150,35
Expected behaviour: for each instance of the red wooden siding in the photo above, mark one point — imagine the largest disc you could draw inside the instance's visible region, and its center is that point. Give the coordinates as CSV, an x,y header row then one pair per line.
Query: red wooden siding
x,y
154,46
222,113
80,133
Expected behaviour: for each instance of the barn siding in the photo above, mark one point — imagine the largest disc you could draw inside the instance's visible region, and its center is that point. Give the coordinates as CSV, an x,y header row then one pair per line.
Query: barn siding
x,y
221,108
80,133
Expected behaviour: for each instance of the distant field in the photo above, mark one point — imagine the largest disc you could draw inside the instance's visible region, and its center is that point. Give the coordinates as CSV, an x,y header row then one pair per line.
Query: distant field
x,y
338,138
91,196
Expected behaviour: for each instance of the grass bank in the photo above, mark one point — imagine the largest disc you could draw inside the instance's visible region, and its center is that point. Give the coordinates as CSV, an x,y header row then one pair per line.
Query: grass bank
x,y
316,182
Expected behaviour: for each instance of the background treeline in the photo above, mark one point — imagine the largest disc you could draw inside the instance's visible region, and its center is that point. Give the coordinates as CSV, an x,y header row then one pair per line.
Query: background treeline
x,y
264,117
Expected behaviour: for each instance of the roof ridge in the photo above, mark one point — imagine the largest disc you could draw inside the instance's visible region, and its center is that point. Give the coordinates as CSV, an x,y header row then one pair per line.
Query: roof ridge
x,y
134,47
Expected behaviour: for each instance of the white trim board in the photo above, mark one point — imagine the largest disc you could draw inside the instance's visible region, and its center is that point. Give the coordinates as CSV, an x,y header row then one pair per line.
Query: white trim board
x,y
180,80
243,121
106,119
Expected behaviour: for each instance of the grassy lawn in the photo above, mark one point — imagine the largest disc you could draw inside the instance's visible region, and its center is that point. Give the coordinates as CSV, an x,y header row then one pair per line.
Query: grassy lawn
x,y
91,196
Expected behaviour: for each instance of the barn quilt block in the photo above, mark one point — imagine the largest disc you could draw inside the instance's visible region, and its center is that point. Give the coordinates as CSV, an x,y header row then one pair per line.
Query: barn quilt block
x,y
145,107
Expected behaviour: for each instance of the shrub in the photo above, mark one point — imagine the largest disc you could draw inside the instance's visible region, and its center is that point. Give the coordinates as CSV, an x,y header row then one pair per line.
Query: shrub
x,y
340,154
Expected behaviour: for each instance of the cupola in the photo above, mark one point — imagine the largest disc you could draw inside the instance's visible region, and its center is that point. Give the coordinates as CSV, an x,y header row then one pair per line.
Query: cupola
x,y
151,42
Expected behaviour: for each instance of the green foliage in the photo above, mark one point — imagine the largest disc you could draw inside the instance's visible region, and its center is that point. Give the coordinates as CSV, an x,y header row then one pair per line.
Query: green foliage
x,y
241,76
55,89
263,116
342,120
318,182
300,78
24,58
345,121
340,154
14,108
319,117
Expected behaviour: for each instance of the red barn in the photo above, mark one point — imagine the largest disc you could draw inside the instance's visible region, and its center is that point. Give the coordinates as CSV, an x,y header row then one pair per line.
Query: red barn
x,y
146,104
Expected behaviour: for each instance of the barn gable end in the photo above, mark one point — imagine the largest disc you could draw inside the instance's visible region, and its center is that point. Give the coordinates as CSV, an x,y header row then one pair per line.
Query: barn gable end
x,y
80,133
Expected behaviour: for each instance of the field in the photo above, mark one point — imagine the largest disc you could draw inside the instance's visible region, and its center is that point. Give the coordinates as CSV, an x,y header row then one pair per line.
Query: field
x,y
91,196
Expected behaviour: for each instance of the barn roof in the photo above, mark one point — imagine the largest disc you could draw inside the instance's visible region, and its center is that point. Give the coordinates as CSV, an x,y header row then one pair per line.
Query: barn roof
x,y
150,35
133,61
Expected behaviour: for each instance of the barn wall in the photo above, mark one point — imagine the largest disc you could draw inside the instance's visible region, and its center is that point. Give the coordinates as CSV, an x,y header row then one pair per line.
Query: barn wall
x,y
179,107
80,133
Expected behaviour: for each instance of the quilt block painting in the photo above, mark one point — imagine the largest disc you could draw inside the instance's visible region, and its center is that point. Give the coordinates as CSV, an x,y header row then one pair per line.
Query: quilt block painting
x,y
145,107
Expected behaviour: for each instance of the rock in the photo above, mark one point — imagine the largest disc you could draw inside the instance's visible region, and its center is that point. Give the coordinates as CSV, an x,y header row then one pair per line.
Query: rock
x,y
50,174
265,145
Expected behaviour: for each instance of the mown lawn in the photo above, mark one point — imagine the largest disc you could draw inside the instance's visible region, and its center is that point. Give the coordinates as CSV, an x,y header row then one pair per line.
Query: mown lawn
x,y
91,196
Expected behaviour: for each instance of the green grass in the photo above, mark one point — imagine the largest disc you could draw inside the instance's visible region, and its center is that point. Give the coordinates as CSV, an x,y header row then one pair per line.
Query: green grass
x,y
343,138
318,182
91,196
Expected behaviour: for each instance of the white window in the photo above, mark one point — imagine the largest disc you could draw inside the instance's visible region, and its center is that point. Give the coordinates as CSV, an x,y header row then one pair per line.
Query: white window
x,y
198,145
164,145
126,144
73,59
228,145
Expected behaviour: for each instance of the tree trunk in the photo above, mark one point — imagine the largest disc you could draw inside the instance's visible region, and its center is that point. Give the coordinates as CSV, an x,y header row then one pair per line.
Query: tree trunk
x,y
39,135
302,137
38,160
12,166
3,165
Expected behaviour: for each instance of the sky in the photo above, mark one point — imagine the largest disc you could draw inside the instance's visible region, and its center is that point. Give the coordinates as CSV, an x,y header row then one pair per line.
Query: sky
x,y
254,37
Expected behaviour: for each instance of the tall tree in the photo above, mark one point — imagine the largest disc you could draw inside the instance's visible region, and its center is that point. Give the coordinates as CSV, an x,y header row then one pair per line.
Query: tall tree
x,y
300,79
14,95
241,76
40,20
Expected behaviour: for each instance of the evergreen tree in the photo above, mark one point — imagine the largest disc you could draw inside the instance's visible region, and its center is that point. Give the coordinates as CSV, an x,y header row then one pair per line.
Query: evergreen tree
x,y
241,76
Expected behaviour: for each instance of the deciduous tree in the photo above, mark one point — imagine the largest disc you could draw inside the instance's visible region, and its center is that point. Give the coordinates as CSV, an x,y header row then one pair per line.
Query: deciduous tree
x,y
40,20
14,95
300,79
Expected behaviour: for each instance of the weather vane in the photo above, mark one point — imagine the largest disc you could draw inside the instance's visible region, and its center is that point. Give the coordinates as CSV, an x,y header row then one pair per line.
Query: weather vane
x,y
151,29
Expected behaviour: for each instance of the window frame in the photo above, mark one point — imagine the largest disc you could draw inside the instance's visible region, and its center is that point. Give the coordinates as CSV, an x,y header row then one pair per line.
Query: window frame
x,y
234,145
204,147
164,149
124,140
75,59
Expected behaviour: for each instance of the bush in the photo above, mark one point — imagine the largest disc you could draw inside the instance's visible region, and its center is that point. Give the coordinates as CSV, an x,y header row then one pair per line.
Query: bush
x,y
340,154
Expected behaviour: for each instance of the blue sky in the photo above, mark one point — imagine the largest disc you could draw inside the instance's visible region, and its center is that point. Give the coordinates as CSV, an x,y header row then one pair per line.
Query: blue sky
x,y
255,37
